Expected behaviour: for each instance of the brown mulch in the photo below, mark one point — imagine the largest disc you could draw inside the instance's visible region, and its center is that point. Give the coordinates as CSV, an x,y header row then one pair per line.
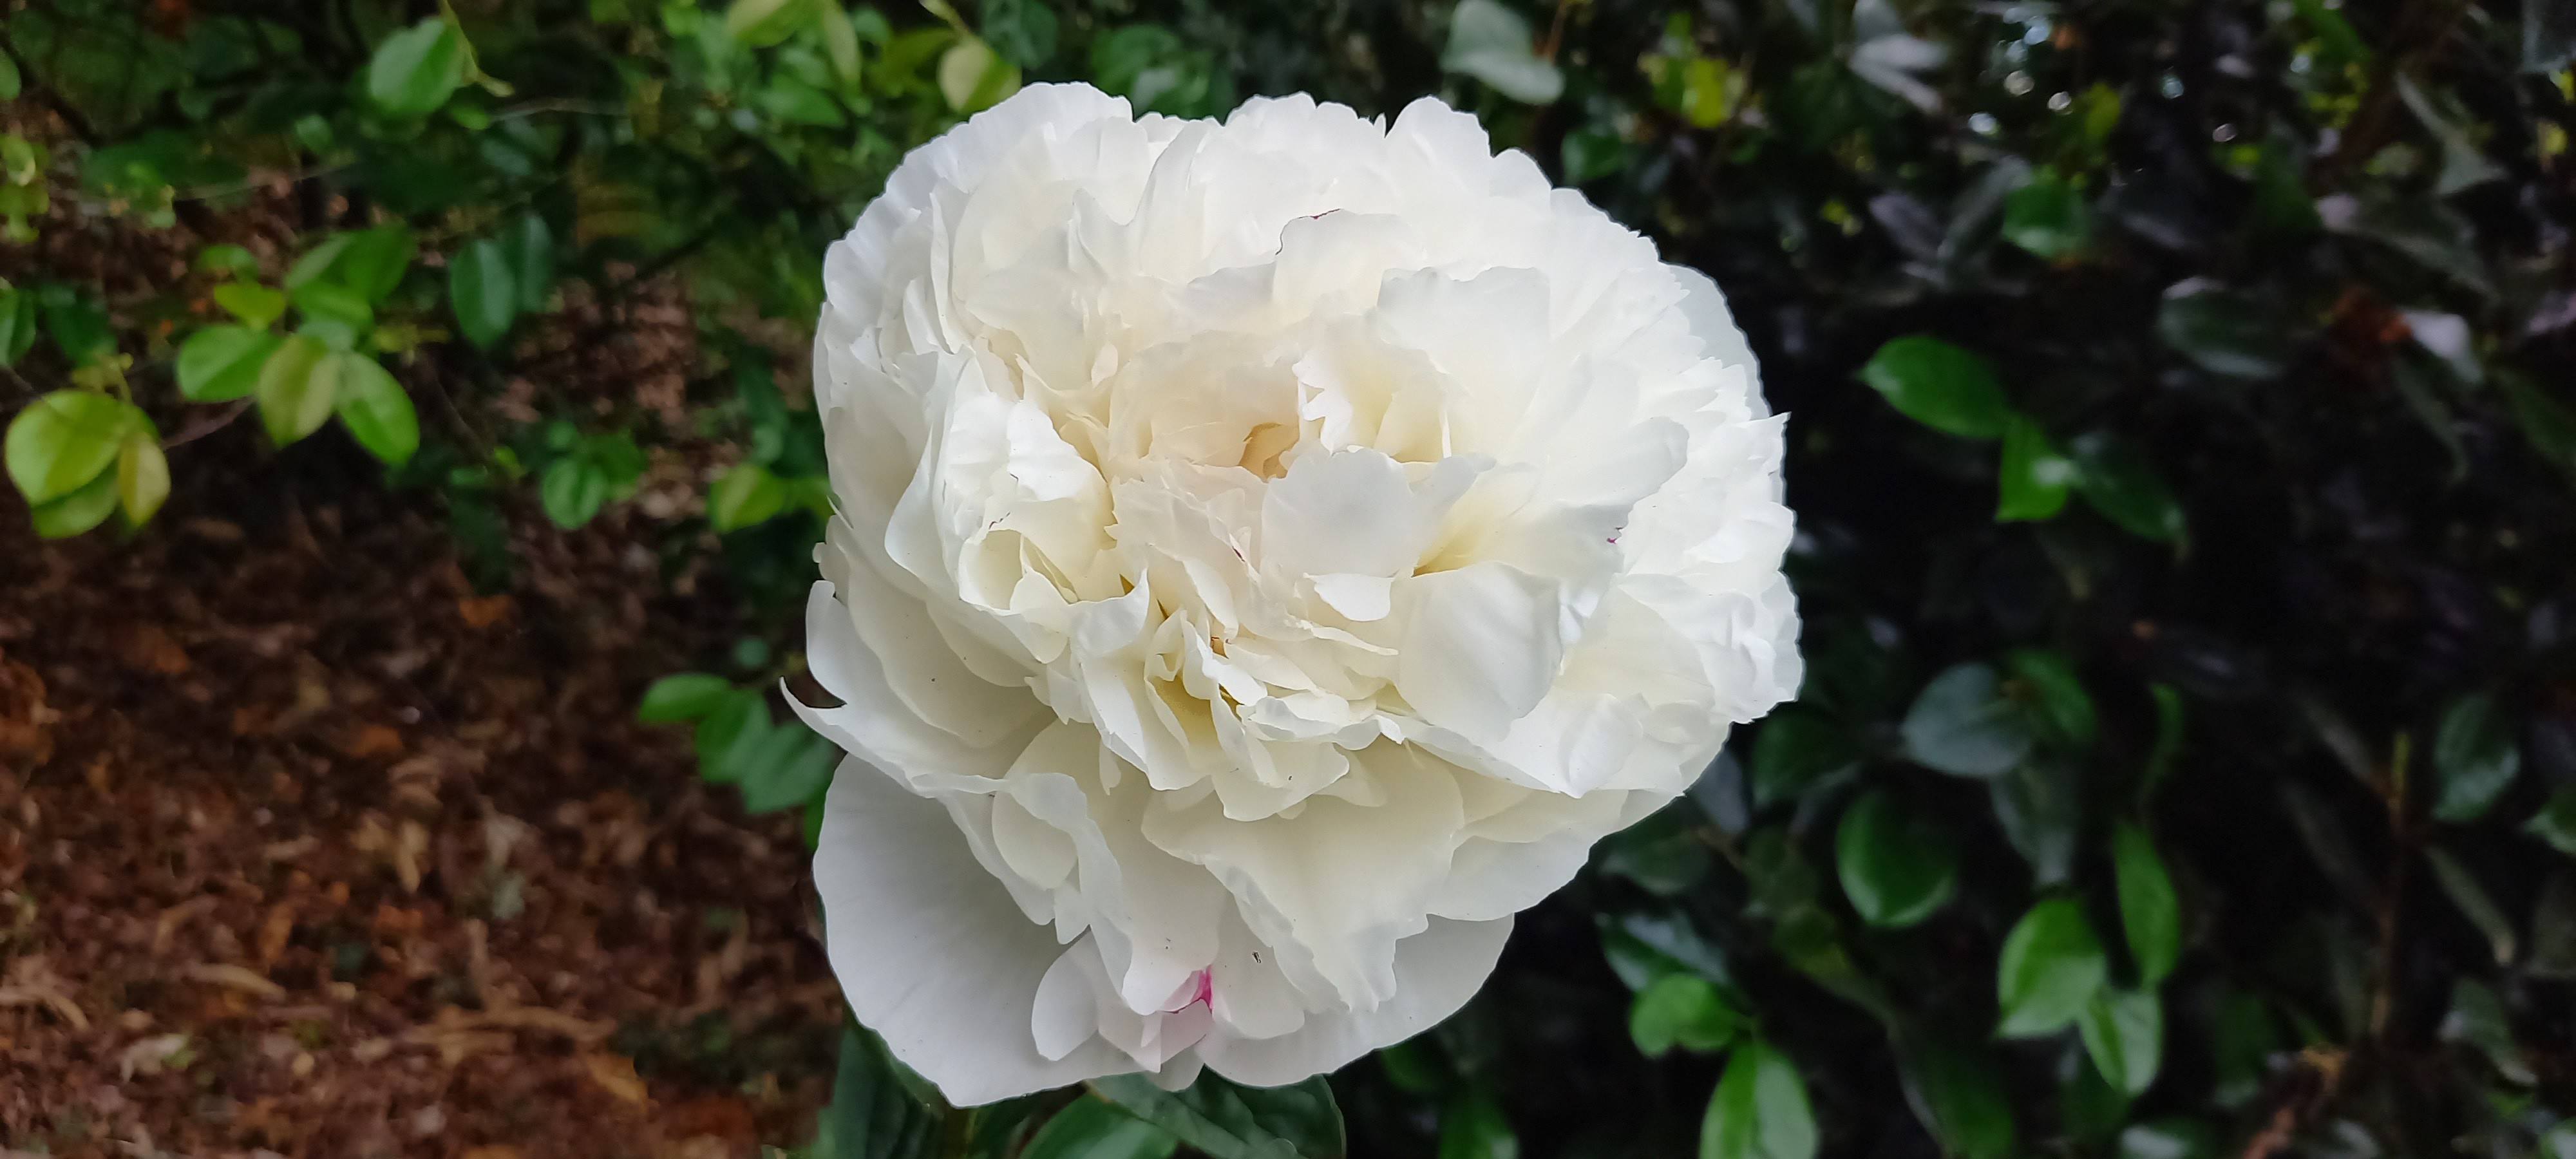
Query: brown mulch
x,y
307,848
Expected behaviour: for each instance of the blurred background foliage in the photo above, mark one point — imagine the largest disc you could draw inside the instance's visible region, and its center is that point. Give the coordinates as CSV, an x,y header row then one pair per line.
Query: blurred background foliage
x,y
2183,445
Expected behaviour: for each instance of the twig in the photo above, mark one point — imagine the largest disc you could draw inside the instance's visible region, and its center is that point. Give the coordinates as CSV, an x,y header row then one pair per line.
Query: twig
x,y
206,426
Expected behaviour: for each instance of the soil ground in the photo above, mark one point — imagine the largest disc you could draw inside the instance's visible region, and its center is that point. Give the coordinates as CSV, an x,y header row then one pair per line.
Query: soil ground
x,y
308,848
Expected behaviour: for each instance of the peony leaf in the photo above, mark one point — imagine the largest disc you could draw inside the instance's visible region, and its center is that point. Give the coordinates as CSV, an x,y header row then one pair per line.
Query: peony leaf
x,y
1897,867
1228,1121
1940,386
2124,1032
1760,1110
1963,725
1090,1128
872,1114
2051,968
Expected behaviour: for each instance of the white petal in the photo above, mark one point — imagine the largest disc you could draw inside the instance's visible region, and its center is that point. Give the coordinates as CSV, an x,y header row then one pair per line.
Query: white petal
x,y
1436,971
930,950
1480,647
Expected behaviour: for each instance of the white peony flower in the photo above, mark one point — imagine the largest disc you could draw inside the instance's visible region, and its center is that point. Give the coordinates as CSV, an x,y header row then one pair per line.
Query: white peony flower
x,y
1270,554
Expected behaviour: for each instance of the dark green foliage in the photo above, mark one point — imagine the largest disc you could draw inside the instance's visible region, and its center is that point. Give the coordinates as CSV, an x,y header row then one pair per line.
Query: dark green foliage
x,y
2181,434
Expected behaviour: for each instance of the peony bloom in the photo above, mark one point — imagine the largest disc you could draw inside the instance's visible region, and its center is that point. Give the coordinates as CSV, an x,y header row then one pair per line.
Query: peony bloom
x,y
1270,554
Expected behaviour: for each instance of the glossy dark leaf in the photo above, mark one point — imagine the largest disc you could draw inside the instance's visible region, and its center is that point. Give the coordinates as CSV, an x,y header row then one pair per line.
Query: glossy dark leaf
x,y
1939,385
1963,724
1796,748
2033,479
483,288
1760,1110
2045,683
2119,481
2475,756
1897,867
1089,1128
2051,968
2223,331
1959,1094
1474,1127
1682,1010
2123,1031
2149,912
1227,1121
871,1115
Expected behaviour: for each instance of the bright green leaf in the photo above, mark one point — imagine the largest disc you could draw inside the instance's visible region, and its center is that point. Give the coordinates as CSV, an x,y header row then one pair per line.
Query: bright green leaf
x,y
528,248
973,77
1682,1010
256,305
2047,216
415,70
2051,968
572,491
2149,911
2124,1031
1493,44
373,261
17,325
683,696
2033,478
2118,480
1898,867
2475,757
761,23
142,476
1089,1128
1939,385
1760,1110
297,387
1963,724
78,511
791,767
483,289
744,495
1228,1121
218,363
64,440
733,729
376,410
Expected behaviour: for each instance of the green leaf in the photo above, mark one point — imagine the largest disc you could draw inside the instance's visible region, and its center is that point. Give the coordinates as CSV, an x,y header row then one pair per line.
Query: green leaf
x,y
2047,216
2050,970
227,258
2225,332
2477,1019
2555,823
761,23
142,476
1797,748
1963,724
1236,1122
373,261
334,313
2475,758
973,77
17,325
2149,912
734,729
1091,1129
1940,386
9,81
80,329
1760,1110
572,491
2039,806
872,1115
2117,480
1472,1127
744,495
528,248
376,410
297,387
2170,1138
1023,31
1682,1010
256,305
318,260
64,440
219,363
2124,1031
2171,726
1493,44
790,769
841,42
683,696
1956,1090
2473,901
2054,697
483,288
77,512
415,70
2243,1037
2033,479
1898,867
